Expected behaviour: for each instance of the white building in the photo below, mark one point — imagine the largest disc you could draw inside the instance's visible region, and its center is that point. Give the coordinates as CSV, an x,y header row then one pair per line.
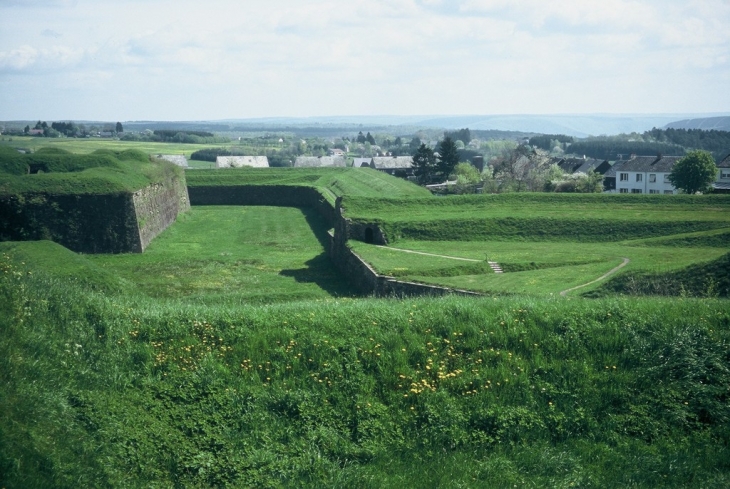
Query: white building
x,y
722,183
241,161
319,161
645,175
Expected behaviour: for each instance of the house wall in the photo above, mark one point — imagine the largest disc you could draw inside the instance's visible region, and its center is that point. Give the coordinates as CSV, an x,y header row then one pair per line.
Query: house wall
x,y
645,186
723,175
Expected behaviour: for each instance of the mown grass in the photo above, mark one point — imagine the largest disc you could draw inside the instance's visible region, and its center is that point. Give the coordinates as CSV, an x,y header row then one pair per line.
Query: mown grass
x,y
332,182
120,391
223,254
196,377
543,205
101,172
541,268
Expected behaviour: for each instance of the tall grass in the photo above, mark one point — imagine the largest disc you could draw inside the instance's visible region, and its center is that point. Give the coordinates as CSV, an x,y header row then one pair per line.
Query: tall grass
x,y
101,390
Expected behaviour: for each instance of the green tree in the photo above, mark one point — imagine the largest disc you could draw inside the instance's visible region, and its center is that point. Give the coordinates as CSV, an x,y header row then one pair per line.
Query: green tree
x,y
119,127
369,138
694,173
448,157
424,163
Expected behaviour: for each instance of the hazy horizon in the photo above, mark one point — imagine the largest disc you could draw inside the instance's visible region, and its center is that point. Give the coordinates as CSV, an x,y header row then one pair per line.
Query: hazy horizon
x,y
131,60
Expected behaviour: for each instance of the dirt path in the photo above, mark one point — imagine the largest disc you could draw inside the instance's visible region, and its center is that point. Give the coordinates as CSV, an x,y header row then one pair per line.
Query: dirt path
x,y
605,275
428,254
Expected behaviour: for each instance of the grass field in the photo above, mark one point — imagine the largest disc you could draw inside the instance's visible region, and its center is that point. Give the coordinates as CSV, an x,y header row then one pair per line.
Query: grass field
x,y
234,255
110,389
332,182
230,354
542,268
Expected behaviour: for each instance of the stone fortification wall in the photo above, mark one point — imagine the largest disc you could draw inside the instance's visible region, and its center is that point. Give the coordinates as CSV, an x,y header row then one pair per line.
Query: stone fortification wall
x,y
81,223
367,281
360,274
157,206
111,223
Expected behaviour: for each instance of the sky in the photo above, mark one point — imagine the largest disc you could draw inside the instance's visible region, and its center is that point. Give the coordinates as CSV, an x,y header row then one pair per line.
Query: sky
x,y
218,59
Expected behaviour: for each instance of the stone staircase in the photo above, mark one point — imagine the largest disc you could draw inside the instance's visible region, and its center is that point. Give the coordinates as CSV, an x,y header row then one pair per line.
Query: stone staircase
x,y
495,266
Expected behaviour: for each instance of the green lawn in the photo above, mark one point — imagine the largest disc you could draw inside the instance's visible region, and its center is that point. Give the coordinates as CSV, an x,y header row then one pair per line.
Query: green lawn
x,y
234,254
541,268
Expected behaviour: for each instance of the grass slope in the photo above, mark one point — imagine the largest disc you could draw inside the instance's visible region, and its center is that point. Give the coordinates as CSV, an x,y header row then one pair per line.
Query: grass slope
x,y
332,182
531,267
116,391
62,173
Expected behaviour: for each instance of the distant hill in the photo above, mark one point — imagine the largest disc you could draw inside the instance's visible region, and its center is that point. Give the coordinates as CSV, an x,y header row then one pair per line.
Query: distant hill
x,y
705,123
576,125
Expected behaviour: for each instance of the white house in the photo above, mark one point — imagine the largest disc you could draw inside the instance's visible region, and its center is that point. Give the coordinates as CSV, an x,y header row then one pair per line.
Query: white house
x,y
645,175
722,183
241,161
319,161
361,162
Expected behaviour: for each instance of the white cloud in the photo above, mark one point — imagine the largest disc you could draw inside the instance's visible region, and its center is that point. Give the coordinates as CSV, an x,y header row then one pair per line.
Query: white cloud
x,y
286,57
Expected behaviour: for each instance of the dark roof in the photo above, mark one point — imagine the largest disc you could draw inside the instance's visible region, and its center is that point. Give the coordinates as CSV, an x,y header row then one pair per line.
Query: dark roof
x,y
645,164
724,163
611,173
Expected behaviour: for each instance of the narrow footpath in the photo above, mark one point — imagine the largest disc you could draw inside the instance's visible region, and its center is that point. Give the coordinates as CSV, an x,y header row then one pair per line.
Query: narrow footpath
x,y
428,254
605,275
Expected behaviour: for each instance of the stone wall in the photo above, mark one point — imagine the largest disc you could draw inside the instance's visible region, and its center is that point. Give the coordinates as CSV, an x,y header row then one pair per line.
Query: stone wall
x,y
365,279
81,223
361,274
111,223
157,206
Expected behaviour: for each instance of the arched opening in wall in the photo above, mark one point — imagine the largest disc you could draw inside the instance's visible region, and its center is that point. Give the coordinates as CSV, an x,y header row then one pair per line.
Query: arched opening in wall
x,y
369,235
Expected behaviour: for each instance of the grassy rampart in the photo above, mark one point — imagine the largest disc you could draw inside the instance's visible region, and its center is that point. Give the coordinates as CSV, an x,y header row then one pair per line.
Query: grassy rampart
x,y
103,202
331,182
374,393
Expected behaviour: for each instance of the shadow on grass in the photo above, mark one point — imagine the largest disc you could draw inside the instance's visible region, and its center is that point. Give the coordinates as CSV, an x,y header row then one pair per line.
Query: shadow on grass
x,y
318,225
320,271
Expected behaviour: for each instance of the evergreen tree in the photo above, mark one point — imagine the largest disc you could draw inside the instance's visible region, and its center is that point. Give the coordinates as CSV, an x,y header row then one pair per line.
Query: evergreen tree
x,y
369,138
448,157
424,163
119,127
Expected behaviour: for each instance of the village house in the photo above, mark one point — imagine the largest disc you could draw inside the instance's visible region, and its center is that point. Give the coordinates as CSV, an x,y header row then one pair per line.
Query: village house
x,y
401,166
583,165
641,175
241,161
319,161
336,152
361,162
722,183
